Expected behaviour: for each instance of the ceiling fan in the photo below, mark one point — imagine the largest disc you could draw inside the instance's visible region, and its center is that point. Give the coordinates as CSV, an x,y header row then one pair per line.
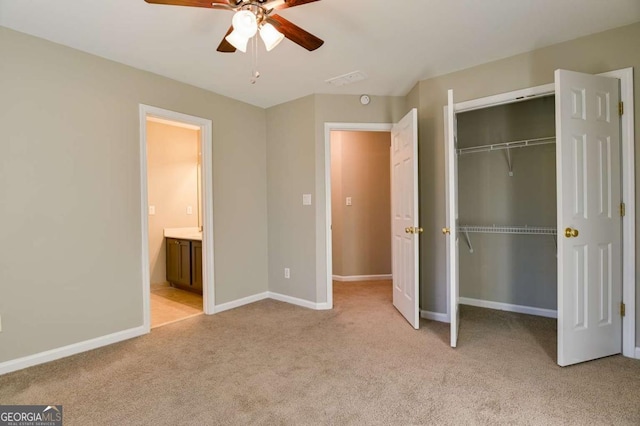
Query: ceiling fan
x,y
252,16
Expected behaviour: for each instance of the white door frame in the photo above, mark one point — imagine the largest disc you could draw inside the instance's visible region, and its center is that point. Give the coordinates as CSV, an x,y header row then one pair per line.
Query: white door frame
x,y
205,125
328,128
628,187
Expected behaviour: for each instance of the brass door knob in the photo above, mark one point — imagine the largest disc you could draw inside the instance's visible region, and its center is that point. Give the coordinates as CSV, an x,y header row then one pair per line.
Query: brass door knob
x,y
446,231
569,232
419,230
409,230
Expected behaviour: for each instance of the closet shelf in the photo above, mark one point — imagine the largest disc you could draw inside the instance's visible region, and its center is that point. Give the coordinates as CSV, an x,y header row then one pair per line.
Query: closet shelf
x,y
507,145
495,229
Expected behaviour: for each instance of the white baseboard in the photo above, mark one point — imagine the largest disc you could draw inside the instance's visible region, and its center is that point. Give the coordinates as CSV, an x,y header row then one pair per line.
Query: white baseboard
x,y
350,278
65,351
76,348
434,316
300,302
530,310
241,302
637,353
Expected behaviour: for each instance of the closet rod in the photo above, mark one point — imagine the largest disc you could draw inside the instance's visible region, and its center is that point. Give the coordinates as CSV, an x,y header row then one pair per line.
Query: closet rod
x,y
495,229
507,145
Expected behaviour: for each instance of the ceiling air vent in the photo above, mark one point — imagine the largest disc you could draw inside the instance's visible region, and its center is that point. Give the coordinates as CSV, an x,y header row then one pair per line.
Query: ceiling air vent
x,y
343,80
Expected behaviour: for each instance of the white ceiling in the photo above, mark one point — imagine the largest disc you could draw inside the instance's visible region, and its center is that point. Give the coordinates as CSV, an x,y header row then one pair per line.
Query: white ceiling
x,y
396,43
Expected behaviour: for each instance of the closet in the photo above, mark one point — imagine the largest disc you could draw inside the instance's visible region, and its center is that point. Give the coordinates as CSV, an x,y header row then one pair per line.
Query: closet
x,y
534,195
507,206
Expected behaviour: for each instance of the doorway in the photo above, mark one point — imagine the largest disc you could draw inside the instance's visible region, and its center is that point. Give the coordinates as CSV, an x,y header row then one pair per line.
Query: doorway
x,y
177,248
360,206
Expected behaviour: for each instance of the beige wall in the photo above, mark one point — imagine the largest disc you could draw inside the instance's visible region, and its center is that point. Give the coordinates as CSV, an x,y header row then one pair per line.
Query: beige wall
x,y
296,154
361,232
70,190
172,170
598,53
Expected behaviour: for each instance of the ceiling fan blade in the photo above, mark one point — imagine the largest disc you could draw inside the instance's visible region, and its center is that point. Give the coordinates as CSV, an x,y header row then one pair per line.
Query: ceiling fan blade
x,y
295,33
224,45
211,4
291,3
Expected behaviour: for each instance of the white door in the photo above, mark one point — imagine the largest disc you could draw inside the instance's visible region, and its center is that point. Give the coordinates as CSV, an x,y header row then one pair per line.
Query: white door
x,y
589,222
404,213
451,231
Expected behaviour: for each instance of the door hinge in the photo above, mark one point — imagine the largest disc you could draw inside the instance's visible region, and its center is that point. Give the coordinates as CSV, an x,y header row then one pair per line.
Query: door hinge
x,y
620,108
623,210
623,309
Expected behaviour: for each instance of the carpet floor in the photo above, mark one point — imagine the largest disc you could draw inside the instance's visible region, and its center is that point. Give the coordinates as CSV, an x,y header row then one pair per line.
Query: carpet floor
x,y
361,363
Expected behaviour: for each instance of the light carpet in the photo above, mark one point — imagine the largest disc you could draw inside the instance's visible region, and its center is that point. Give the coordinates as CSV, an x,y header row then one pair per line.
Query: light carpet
x,y
360,363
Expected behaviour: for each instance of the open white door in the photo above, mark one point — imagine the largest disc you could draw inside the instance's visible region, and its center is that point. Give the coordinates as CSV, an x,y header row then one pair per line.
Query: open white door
x,y
451,174
404,213
589,222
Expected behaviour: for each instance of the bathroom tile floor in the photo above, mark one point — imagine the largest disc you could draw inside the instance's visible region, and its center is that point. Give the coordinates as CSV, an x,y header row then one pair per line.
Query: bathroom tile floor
x,y
170,304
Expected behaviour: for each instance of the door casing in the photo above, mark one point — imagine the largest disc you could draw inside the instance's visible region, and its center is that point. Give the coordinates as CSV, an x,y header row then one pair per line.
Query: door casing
x,y
208,286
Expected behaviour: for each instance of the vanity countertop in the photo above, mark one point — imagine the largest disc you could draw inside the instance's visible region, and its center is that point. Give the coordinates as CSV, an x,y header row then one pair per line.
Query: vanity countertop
x,y
183,233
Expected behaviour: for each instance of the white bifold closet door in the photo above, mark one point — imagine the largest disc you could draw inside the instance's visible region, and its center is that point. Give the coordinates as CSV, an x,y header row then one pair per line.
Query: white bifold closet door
x,y
589,223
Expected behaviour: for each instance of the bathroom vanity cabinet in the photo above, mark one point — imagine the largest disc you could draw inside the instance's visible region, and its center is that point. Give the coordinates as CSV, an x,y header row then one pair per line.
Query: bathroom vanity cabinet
x,y
184,264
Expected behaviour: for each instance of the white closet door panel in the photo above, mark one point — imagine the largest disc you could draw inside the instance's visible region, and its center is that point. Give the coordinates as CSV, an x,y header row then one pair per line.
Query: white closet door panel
x,y
589,224
452,218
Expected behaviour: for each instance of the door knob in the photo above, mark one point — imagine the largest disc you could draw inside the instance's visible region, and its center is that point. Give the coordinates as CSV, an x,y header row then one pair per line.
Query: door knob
x,y
446,231
571,233
418,230
409,230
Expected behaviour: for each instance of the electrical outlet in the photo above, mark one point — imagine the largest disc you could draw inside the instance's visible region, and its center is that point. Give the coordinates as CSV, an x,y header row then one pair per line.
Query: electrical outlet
x,y
287,273
348,201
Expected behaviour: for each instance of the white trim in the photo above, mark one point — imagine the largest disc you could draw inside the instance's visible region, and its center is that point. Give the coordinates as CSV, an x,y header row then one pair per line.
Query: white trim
x,y
65,351
299,302
628,222
354,278
328,128
529,310
205,126
506,98
434,316
241,302
637,353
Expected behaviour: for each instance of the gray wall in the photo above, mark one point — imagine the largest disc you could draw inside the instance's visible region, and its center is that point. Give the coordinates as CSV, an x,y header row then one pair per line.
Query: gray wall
x,y
598,53
296,150
361,232
70,265
514,269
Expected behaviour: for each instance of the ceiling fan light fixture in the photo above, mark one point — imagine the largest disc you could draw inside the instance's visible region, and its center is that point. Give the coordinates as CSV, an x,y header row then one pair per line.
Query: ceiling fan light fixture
x,y
270,36
245,23
238,41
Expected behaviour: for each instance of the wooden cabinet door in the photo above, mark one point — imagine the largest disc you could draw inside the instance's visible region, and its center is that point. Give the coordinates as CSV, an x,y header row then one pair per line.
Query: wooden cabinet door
x,y
178,261
196,266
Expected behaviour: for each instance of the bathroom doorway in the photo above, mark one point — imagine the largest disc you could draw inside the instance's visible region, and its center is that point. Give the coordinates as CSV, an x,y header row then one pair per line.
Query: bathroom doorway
x,y
177,205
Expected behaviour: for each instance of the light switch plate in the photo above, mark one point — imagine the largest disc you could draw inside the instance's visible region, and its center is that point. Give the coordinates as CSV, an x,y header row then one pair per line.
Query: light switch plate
x,y
306,199
287,273
152,210
189,210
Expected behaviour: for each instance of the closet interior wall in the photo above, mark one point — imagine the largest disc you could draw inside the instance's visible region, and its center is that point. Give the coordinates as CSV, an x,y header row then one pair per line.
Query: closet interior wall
x,y
517,269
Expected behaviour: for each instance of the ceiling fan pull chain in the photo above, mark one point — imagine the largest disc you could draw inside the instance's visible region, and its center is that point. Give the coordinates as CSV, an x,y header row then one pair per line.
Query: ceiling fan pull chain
x,y
255,74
